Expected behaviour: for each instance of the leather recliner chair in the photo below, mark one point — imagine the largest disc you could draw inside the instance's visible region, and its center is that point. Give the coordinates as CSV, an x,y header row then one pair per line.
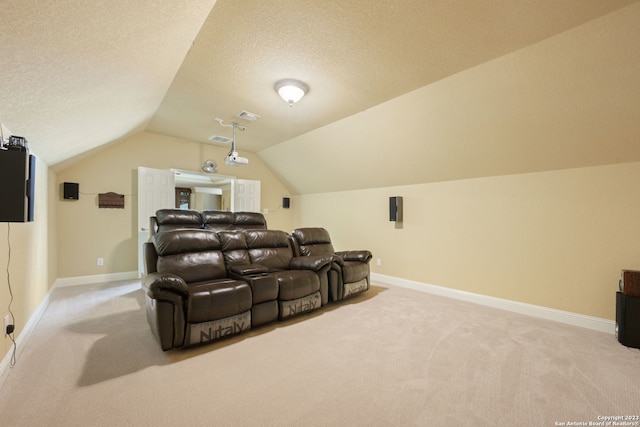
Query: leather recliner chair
x,y
189,297
174,219
349,274
302,281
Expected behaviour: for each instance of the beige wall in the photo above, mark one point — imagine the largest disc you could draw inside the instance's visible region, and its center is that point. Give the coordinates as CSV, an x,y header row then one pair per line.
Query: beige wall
x,y
555,239
87,232
32,266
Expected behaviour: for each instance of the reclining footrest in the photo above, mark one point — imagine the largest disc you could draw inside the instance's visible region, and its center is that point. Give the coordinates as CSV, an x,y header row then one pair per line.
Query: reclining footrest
x,y
296,306
199,333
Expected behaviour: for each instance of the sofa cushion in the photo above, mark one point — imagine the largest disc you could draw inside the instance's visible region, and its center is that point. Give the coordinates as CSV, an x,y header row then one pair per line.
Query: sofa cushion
x,y
269,248
250,221
234,247
218,220
194,255
182,241
172,219
294,284
313,241
217,300
354,271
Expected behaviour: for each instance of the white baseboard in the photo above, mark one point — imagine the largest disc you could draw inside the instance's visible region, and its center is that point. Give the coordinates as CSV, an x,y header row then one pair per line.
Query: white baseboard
x,y
575,319
35,317
24,334
98,278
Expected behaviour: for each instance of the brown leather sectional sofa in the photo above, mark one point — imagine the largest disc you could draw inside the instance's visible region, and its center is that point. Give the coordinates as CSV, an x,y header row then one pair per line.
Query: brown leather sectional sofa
x,y
204,283
175,219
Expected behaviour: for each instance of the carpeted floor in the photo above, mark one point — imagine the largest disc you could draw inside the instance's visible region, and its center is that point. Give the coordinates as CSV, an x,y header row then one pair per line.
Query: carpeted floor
x,y
389,357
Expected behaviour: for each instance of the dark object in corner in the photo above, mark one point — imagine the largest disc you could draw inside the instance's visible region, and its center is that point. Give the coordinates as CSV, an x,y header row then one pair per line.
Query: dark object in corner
x,y
628,320
111,200
630,283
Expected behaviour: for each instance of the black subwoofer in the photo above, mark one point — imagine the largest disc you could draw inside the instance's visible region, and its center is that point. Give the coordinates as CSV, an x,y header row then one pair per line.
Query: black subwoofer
x,y
628,320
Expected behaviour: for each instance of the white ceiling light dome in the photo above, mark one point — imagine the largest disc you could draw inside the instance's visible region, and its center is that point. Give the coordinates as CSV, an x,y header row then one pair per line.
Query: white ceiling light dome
x,y
291,90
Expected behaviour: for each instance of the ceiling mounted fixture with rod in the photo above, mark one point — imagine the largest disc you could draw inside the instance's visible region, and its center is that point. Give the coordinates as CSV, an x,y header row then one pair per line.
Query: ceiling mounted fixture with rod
x,y
209,166
232,158
291,90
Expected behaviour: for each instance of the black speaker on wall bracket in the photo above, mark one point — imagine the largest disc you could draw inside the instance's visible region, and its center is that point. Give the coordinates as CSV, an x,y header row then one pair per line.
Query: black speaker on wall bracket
x,y
395,208
71,191
17,186
286,202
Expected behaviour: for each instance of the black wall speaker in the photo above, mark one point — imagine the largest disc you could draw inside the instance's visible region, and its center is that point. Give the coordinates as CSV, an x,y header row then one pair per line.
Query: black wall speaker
x,y
395,208
286,202
628,320
17,186
71,190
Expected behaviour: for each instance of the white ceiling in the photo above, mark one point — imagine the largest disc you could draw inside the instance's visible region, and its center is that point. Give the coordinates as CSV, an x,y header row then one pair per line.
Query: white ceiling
x,y
77,75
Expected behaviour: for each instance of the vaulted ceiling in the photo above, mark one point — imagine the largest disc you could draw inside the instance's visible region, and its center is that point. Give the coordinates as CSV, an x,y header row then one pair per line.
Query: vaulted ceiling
x,y
78,75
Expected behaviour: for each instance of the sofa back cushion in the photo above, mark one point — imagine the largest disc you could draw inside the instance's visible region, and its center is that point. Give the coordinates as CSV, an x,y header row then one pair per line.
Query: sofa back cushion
x,y
250,221
313,241
172,219
234,248
218,220
194,255
269,248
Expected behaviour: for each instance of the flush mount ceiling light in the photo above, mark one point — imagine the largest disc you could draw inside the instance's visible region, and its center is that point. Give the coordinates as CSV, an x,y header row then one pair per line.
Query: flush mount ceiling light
x,y
291,90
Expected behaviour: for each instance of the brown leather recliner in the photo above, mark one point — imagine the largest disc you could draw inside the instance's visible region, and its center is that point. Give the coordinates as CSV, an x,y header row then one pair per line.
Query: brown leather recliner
x,y
175,219
302,281
349,273
264,285
189,297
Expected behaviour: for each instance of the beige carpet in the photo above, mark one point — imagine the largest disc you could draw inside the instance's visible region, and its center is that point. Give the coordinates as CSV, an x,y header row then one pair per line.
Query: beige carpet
x,y
390,357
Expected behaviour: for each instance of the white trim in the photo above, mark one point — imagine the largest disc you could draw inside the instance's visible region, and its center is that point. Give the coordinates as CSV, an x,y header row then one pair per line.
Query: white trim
x,y
98,278
24,335
575,319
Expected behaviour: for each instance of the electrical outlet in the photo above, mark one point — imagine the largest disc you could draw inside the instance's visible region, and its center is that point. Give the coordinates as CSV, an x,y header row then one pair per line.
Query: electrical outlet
x,y
100,261
7,324
378,261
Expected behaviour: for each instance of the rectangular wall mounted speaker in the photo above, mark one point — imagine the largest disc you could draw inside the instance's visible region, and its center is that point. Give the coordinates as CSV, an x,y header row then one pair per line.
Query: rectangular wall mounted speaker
x,y
71,190
17,186
395,208
286,202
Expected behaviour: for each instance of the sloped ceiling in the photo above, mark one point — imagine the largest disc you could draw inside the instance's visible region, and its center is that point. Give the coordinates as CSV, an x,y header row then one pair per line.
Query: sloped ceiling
x,y
78,75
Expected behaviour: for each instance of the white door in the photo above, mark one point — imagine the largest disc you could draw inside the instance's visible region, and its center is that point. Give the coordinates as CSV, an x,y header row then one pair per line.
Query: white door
x,y
156,190
246,195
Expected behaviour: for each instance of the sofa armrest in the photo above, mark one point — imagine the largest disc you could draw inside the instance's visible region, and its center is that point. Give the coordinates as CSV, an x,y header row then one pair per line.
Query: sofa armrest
x,y
310,262
157,284
362,255
248,269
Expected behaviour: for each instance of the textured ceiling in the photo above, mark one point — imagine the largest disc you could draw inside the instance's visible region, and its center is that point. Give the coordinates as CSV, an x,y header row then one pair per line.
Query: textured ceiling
x,y
353,54
78,75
